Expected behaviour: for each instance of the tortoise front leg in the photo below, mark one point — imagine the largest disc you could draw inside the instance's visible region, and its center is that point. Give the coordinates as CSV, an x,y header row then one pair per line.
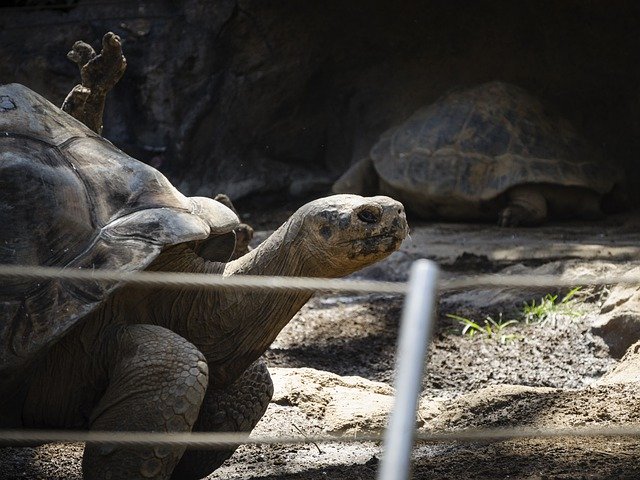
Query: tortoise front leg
x,y
236,408
157,381
526,205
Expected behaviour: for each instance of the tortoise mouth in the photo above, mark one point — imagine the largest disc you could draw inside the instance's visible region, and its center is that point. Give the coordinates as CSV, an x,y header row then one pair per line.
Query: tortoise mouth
x,y
396,235
375,248
381,243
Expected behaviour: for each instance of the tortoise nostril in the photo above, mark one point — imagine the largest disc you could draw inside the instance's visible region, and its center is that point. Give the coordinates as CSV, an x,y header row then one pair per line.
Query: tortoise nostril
x,y
369,216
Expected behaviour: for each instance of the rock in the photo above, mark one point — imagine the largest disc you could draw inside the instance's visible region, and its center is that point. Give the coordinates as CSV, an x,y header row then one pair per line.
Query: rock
x,y
627,371
619,330
345,405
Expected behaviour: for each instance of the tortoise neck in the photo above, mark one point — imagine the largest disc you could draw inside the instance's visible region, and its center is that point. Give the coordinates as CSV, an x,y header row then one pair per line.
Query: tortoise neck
x,y
246,321
232,327
278,255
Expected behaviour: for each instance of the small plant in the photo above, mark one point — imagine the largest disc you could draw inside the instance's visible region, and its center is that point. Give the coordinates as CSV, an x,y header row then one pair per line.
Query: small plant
x,y
491,327
549,308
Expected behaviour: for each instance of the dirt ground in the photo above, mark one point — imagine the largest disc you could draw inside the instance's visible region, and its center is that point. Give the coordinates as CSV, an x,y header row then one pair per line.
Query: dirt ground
x,y
551,368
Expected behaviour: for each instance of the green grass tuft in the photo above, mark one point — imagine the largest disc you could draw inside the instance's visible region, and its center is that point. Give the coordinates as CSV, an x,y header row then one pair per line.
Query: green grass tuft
x,y
549,308
545,312
490,328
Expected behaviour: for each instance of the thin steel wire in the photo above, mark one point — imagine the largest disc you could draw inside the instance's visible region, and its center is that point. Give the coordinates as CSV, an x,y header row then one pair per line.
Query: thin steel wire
x,y
537,281
206,440
197,280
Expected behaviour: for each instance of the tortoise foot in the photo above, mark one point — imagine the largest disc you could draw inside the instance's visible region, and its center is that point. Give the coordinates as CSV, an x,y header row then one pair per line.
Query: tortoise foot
x,y
513,216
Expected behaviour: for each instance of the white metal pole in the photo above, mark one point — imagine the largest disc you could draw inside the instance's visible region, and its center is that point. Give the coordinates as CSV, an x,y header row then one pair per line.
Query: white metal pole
x,y
414,337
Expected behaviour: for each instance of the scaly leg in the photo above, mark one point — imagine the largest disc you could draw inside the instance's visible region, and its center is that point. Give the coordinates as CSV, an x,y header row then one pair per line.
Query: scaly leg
x,y
234,409
157,381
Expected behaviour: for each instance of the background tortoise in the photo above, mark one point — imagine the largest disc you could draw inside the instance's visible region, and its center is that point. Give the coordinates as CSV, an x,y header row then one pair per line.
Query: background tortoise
x,y
490,152
88,355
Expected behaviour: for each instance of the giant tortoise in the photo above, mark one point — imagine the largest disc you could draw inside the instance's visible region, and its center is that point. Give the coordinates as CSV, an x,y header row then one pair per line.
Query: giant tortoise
x,y
492,152
90,355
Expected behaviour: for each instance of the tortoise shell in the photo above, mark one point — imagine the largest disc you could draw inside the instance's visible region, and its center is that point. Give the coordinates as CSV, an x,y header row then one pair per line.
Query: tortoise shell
x,y
475,144
70,199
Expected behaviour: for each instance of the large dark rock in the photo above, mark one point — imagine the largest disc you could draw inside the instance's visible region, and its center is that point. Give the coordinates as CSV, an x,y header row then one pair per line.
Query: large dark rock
x,y
247,96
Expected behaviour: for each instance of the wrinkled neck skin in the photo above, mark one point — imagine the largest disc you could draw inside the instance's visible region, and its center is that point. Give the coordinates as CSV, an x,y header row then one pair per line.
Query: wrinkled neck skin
x,y
233,327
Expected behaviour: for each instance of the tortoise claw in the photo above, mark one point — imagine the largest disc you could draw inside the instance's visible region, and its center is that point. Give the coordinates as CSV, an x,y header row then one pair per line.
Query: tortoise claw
x,y
512,216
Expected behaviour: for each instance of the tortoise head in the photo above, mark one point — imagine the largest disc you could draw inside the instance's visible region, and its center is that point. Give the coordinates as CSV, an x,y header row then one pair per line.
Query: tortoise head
x,y
340,234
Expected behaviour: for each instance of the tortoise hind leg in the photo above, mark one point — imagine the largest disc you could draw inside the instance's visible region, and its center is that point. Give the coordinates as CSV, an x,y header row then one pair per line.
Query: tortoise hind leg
x,y
532,204
234,409
157,381
526,205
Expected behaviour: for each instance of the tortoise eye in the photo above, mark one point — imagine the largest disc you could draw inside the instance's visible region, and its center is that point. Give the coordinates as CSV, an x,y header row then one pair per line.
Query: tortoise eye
x,y
369,216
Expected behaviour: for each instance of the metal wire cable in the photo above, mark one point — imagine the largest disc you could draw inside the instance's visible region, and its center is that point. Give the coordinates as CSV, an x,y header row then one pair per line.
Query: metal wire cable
x,y
548,281
201,280
198,280
206,440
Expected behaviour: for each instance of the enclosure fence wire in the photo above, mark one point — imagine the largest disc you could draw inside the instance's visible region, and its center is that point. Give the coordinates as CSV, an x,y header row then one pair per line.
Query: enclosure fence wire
x,y
259,282
212,440
205,440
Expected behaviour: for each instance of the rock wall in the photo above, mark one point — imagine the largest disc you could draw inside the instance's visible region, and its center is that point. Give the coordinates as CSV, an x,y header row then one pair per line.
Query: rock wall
x,y
245,96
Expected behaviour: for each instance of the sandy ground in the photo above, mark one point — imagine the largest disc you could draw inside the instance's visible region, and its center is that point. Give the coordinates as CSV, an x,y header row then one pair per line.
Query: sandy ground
x,y
560,360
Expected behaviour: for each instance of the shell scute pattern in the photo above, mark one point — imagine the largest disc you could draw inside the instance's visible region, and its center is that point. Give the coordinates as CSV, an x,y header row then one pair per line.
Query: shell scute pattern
x,y
75,201
477,143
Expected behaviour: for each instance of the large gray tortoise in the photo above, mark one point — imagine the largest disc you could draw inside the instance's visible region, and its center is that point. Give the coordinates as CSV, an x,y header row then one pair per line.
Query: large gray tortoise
x,y
89,355
492,152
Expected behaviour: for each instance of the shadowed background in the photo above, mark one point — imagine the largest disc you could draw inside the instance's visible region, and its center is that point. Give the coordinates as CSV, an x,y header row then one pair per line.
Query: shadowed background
x,y
249,96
